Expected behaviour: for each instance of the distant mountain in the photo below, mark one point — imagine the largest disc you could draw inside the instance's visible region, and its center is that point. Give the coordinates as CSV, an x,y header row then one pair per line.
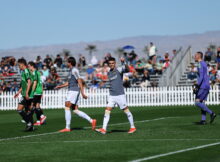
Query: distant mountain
x,y
163,43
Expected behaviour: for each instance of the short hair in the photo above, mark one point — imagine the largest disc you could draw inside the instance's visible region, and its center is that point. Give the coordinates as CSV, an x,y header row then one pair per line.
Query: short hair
x,y
111,59
22,61
200,53
72,61
32,64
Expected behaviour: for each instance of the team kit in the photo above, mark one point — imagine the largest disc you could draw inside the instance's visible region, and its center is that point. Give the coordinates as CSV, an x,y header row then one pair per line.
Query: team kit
x,y
31,91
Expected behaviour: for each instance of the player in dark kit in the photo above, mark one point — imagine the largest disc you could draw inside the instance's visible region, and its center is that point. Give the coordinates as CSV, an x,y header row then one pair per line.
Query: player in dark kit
x,y
27,95
37,88
202,89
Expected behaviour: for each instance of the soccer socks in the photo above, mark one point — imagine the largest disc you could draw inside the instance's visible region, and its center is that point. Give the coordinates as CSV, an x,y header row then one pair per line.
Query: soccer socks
x,y
203,115
38,112
106,119
23,115
82,115
30,116
68,117
203,107
130,118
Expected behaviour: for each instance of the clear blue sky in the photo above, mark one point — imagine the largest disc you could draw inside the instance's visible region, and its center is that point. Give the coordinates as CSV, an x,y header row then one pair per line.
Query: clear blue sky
x,y
43,22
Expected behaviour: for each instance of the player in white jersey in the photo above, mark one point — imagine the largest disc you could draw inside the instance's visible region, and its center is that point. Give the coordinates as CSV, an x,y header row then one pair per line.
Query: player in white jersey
x,y
75,86
117,95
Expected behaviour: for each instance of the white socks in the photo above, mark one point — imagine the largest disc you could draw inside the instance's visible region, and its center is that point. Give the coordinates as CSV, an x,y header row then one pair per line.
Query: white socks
x,y
130,118
83,115
68,117
106,119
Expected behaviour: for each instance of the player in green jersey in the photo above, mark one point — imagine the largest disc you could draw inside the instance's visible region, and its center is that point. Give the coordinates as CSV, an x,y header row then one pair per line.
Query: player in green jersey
x,y
37,89
25,91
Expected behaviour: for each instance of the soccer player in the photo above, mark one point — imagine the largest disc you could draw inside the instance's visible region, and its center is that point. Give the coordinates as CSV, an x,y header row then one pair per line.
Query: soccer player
x,y
37,88
117,95
75,86
27,95
202,88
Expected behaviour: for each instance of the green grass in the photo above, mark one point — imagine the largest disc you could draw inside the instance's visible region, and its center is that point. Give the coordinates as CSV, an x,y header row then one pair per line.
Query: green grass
x,y
173,130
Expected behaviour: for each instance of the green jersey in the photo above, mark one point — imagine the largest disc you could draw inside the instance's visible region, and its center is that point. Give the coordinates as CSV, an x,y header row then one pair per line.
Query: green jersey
x,y
25,76
39,86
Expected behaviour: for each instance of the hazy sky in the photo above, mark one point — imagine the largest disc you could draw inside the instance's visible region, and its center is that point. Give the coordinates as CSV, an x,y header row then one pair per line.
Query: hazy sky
x,y
43,22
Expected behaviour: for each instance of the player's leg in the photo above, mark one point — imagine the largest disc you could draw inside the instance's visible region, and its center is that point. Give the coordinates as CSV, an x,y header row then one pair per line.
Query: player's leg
x,y
83,115
67,117
106,119
39,112
21,112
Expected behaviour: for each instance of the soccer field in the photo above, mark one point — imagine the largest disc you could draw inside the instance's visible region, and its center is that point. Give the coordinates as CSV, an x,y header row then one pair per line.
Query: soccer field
x,y
163,134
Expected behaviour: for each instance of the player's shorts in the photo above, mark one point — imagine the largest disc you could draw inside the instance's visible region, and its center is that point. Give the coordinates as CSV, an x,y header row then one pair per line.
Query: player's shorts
x,y
25,102
73,97
117,100
151,57
37,99
202,94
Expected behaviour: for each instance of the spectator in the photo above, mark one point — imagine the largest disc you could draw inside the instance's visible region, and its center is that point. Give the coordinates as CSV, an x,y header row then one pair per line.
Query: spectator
x,y
105,71
192,72
82,62
149,67
159,67
213,74
208,55
139,67
38,62
106,58
94,60
218,75
218,55
145,80
98,72
58,61
48,61
132,57
45,71
53,80
90,72
14,86
166,64
166,57
152,53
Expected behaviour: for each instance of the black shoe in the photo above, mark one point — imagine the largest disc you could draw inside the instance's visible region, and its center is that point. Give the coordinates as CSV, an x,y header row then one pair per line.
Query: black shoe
x,y
212,117
202,122
29,127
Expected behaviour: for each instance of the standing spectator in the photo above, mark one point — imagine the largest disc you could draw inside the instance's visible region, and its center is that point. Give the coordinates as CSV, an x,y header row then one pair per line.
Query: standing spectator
x,y
90,72
152,53
58,61
208,55
48,62
82,62
192,72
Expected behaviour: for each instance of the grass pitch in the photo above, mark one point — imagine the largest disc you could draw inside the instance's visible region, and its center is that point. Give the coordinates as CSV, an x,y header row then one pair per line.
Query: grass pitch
x,y
160,130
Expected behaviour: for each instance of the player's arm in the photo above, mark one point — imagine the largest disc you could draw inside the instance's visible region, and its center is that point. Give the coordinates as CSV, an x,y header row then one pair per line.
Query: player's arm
x,y
17,94
81,86
124,67
201,76
28,88
62,85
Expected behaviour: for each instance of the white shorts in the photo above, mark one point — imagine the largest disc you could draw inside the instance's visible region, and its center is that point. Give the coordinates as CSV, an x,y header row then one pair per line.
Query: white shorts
x,y
117,100
73,97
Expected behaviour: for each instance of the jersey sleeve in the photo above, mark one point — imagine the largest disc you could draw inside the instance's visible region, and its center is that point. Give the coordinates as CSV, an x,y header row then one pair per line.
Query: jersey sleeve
x,y
27,74
75,72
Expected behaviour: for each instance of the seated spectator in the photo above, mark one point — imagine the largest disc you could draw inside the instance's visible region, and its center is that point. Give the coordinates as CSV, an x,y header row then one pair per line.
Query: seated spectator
x,y
132,57
126,81
95,84
94,61
213,74
192,72
218,75
90,72
159,67
58,61
48,62
218,55
208,55
105,71
149,67
14,86
139,67
45,71
166,64
106,58
53,80
98,72
38,62
6,70
145,80
166,57
81,62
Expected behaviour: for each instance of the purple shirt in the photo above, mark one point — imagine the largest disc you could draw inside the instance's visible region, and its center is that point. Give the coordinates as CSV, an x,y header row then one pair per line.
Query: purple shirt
x,y
203,77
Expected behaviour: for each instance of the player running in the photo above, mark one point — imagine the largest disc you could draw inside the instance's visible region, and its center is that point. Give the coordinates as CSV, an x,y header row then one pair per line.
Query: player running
x,y
202,89
117,95
37,88
27,95
75,86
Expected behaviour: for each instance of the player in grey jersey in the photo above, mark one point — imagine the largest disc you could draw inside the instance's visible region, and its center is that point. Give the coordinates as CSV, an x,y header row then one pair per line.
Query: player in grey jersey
x,y
75,86
117,95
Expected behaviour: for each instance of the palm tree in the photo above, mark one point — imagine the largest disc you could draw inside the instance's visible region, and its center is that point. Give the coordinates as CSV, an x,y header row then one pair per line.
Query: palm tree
x,y
91,48
119,51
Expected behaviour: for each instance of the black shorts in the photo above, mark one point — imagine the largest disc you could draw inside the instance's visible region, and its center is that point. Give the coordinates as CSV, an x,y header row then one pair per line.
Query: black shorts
x,y
26,103
37,99
151,57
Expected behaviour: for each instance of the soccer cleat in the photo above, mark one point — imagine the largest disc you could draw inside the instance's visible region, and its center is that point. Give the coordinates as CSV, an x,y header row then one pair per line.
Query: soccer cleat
x,y
132,130
93,124
101,130
64,130
37,124
212,117
43,119
23,121
202,122
29,127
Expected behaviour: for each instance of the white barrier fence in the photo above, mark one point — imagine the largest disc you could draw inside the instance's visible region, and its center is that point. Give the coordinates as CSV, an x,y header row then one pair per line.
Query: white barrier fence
x,y
159,96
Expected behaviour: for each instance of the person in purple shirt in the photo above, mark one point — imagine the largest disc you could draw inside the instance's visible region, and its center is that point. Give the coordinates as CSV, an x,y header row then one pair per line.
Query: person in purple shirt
x,y
202,88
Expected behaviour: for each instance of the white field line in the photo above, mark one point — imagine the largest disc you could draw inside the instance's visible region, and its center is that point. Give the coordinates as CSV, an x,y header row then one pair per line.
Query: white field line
x,y
175,152
97,141
43,134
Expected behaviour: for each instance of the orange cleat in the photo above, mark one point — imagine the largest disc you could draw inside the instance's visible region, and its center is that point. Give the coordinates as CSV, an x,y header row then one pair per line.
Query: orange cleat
x,y
132,130
101,130
64,130
37,124
93,124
